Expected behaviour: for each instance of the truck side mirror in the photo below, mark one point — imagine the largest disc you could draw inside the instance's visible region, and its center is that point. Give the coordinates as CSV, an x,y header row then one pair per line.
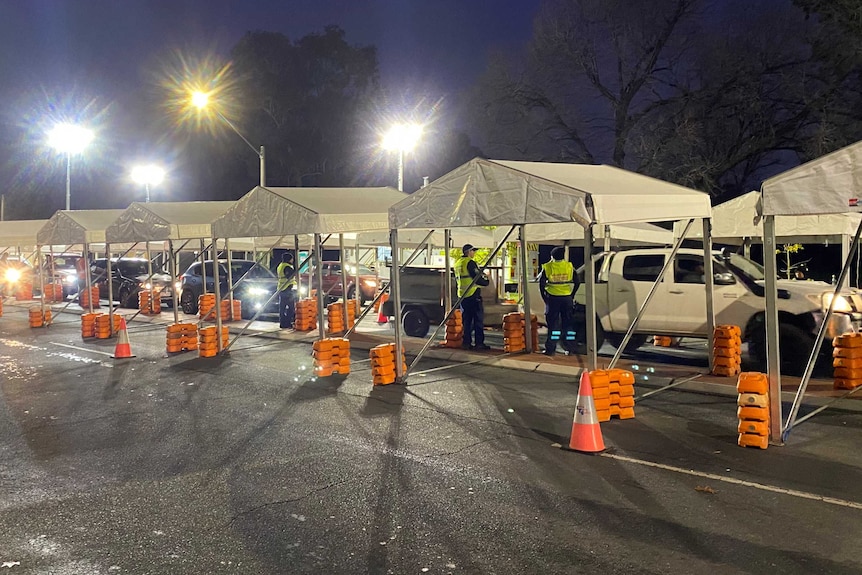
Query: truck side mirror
x,y
723,279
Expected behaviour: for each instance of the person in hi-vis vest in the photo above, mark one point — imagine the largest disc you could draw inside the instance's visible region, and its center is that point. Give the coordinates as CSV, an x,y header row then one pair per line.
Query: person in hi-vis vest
x,y
558,283
472,310
286,291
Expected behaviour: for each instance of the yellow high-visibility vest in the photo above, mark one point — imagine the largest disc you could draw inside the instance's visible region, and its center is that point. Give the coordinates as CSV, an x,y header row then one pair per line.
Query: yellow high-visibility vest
x,y
464,278
283,282
560,277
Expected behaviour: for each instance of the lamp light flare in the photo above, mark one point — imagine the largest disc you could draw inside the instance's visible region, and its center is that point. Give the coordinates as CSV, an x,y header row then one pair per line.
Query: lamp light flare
x,y
402,137
200,99
69,138
151,175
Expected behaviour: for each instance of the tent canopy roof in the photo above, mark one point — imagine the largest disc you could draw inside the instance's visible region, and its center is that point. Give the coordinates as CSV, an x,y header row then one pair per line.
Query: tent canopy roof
x,y
14,233
290,211
739,218
634,234
67,227
159,221
831,184
499,193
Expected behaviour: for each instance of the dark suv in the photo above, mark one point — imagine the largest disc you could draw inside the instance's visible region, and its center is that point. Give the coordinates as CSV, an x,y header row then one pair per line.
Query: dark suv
x,y
129,278
254,290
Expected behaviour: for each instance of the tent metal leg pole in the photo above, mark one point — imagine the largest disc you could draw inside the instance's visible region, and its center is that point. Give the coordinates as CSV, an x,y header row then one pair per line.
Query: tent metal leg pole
x,y
41,280
318,272
89,281
203,258
110,280
710,288
229,271
173,268
667,264
357,291
667,387
217,290
590,316
447,272
525,279
395,289
457,302
773,353
815,352
344,314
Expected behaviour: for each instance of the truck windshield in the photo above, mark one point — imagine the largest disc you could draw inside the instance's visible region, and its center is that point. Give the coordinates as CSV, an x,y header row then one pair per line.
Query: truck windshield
x,y
744,266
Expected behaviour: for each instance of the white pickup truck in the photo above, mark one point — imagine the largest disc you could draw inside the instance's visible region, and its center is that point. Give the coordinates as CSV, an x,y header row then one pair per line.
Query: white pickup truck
x,y
678,307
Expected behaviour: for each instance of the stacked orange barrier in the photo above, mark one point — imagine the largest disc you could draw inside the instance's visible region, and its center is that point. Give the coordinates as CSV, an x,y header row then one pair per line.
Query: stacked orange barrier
x,y
515,332
84,297
37,319
208,346
181,337
454,331
103,325
1,307
235,308
206,306
88,325
662,340
53,292
306,315
149,302
613,393
335,317
331,355
24,291
753,409
847,361
727,350
383,363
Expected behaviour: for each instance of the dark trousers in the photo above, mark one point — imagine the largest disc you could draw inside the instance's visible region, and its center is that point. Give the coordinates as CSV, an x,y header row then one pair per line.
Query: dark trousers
x,y
473,319
286,308
558,316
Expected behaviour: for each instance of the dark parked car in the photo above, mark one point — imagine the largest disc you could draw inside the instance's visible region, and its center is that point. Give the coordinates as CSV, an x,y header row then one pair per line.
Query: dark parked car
x,y
254,290
130,276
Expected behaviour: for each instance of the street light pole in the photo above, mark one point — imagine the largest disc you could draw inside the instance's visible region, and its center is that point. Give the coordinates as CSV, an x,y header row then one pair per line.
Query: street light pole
x,y
402,138
148,175
69,139
401,169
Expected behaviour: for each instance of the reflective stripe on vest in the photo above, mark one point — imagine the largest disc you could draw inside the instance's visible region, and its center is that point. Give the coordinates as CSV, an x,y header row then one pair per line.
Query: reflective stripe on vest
x,y
283,282
560,277
462,274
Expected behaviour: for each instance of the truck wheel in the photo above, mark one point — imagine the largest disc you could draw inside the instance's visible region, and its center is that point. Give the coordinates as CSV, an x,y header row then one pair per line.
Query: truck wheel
x,y
795,345
415,323
615,339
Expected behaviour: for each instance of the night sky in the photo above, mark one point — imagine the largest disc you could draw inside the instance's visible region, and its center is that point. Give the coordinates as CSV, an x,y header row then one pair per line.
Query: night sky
x,y
63,58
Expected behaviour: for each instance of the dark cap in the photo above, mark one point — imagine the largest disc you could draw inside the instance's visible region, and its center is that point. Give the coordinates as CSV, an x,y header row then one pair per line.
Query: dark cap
x,y
558,253
467,248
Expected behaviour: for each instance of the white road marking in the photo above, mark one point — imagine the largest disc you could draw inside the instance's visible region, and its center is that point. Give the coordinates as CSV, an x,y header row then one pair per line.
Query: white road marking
x,y
82,348
761,486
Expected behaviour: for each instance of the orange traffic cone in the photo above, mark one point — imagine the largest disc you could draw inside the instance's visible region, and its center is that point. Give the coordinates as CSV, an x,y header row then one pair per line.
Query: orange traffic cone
x,y
122,350
586,433
381,317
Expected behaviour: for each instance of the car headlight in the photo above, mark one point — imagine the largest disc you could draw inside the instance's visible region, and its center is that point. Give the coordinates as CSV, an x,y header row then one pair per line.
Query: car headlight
x,y
842,304
71,279
178,286
13,275
257,291
370,283
146,286
303,290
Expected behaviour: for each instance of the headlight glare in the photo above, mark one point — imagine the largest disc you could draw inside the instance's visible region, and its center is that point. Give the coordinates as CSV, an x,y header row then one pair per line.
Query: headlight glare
x,y
842,305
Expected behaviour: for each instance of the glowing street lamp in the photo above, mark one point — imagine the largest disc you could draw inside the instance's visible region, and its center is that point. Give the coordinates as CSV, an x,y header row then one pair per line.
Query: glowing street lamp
x,y
402,138
200,100
69,139
151,175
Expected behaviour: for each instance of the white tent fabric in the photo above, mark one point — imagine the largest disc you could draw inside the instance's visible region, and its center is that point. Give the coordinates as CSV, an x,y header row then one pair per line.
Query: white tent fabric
x,y
19,233
739,218
77,227
499,193
161,221
293,211
634,234
479,237
831,184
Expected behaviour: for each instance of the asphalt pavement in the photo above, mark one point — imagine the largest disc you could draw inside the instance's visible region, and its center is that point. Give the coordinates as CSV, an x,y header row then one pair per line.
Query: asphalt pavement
x,y
249,464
